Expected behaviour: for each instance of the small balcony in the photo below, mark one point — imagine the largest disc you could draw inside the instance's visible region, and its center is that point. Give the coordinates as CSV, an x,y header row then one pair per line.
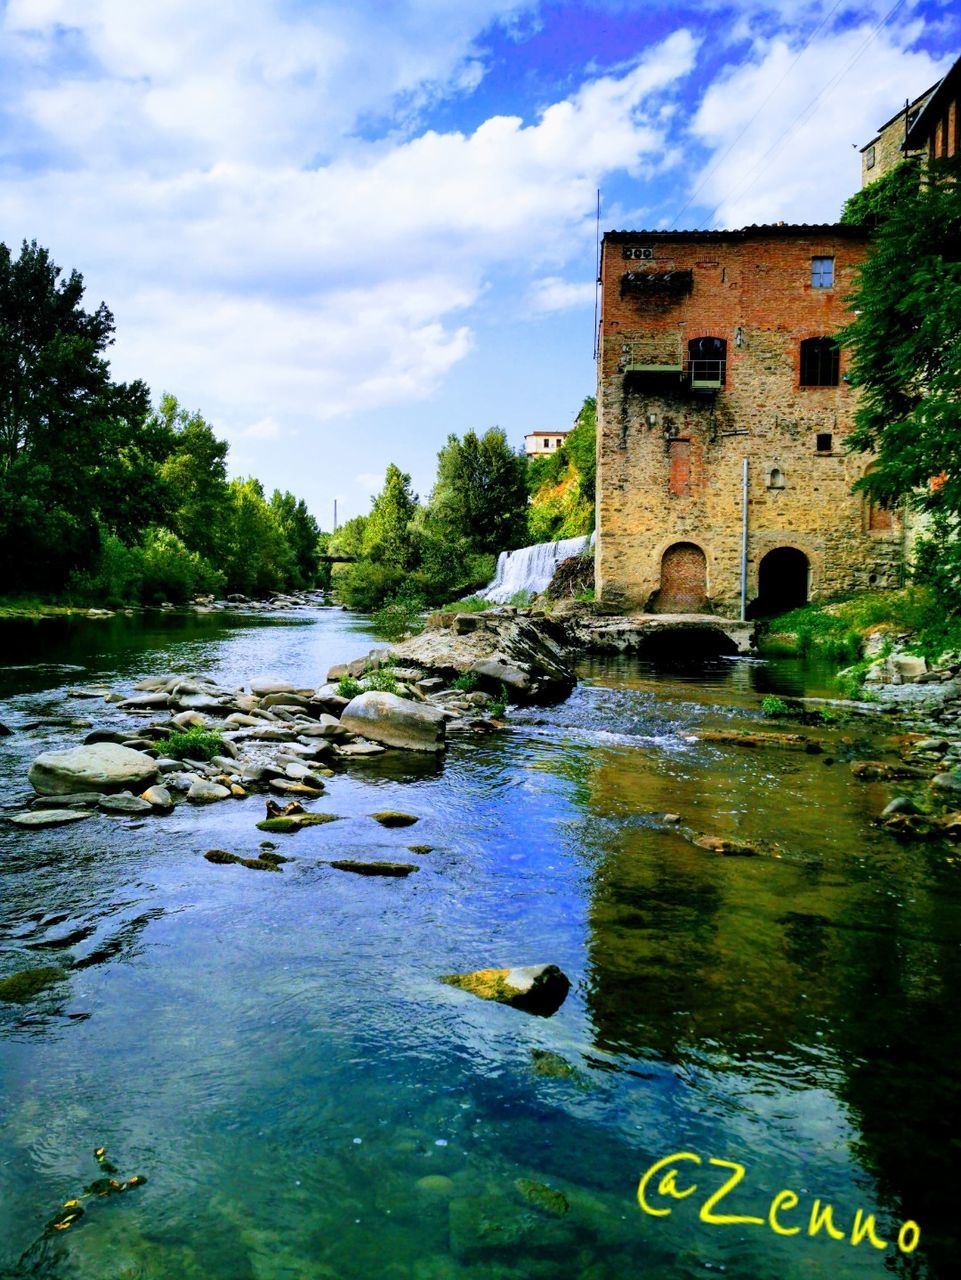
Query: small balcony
x,y
706,375
663,285
661,354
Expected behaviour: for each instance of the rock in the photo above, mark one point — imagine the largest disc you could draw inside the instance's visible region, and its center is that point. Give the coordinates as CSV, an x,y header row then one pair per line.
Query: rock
x,y
284,787
327,699
394,818
104,735
881,771
420,848
741,738
189,720
257,773
539,989
102,766
543,1197
937,746
908,667
725,846
239,720
900,804
28,983
947,784
431,684
487,1228
547,1063
395,722
261,686
38,818
220,856
124,802
296,822
202,792
493,674
78,800
465,623
5,730
141,701
375,868
360,748
159,799
285,699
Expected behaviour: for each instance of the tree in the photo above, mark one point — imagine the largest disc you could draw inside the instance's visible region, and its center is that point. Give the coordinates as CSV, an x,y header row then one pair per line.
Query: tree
x,y
194,475
65,426
258,558
387,534
906,344
301,531
481,491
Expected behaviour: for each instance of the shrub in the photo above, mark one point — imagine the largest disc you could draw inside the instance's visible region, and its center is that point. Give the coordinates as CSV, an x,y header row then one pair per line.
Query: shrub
x,y
466,682
471,604
171,572
194,744
521,599
382,681
400,615
347,687
773,706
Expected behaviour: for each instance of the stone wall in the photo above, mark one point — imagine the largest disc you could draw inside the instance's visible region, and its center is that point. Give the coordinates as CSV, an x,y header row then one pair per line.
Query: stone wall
x,y
670,459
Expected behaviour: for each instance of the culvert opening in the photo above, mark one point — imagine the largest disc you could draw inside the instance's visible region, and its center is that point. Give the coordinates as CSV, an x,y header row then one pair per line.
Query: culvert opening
x,y
684,647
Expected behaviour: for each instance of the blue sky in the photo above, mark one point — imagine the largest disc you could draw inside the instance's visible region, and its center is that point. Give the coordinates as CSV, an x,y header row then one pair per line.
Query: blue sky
x,y
343,231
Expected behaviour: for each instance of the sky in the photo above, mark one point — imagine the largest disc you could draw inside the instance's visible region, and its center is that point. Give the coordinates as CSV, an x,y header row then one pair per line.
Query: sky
x,y
343,231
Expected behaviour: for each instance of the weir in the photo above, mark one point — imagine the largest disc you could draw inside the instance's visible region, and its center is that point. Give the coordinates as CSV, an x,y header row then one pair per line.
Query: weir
x,y
531,568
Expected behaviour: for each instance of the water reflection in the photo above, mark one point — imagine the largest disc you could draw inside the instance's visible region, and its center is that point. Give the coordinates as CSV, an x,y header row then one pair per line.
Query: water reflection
x,y
276,1055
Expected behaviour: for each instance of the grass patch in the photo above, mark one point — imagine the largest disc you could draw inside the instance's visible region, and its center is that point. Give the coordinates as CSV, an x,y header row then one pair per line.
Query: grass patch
x,y
194,744
472,604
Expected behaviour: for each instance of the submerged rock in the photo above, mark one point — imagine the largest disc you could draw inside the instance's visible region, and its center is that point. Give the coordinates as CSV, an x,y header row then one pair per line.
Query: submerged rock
x,y
420,848
101,766
38,818
726,846
395,722
296,822
220,856
543,1197
374,868
394,818
539,989
28,983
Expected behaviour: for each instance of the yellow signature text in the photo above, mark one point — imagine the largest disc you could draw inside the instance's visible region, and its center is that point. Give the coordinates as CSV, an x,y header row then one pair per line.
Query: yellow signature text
x,y
673,1178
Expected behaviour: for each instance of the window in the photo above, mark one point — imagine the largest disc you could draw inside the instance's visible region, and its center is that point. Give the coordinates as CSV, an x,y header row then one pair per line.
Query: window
x,y
547,443
869,158
822,273
824,442
820,362
559,443
775,478
707,362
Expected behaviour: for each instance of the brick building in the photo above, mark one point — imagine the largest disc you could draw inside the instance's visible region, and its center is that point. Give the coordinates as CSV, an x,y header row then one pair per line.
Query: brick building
x,y
722,413
936,129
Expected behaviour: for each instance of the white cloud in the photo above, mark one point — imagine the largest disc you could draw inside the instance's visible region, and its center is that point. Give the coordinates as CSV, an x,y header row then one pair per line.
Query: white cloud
x,y
555,294
844,85
372,481
262,286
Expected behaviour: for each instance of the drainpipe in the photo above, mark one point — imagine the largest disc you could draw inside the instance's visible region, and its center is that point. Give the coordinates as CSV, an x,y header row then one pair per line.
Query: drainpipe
x,y
744,543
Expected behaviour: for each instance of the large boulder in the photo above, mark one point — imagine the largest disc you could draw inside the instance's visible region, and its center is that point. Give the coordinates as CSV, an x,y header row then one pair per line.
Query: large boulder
x,y
101,766
395,722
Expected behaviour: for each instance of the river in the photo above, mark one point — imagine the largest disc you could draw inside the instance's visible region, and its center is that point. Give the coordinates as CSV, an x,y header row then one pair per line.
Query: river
x,y
275,1055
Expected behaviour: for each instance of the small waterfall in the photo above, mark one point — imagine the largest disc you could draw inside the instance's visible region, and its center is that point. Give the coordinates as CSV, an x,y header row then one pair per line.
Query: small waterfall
x,y
531,568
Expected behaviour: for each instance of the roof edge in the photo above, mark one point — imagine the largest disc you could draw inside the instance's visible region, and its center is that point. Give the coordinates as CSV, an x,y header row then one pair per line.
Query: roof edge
x,y
775,229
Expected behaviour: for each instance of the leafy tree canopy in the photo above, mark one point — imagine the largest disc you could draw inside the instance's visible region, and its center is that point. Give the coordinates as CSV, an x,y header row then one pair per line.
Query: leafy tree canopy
x,y
387,534
481,491
906,344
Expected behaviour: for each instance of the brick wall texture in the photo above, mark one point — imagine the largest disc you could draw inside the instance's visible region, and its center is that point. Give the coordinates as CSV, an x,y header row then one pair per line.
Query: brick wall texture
x,y
670,459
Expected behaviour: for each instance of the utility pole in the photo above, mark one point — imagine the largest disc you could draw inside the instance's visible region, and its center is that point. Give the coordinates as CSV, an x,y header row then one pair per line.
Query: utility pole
x,y
335,515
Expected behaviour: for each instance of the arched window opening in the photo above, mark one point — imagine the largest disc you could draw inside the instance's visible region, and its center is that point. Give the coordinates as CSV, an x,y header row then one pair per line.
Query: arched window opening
x,y
683,580
707,363
775,478
820,362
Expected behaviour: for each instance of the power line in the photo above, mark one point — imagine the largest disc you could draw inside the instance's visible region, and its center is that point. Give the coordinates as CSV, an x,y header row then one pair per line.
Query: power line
x,y
720,159
804,114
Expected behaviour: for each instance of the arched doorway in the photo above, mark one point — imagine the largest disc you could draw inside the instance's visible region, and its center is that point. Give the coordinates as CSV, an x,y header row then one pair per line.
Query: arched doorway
x,y
782,582
683,580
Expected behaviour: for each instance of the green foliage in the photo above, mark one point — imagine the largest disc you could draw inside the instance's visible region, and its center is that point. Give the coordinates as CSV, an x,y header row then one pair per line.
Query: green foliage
x,y
301,533
194,744
382,681
68,434
480,495
470,604
366,585
521,599
194,476
387,533
905,342
562,484
466,682
348,540
399,616
497,710
774,706
168,571
348,687
879,198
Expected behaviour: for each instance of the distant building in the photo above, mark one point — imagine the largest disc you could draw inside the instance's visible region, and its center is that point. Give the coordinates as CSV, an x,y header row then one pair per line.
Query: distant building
x,y
723,411
539,443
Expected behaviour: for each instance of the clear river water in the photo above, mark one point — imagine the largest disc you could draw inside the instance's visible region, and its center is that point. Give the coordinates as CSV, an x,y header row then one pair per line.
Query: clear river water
x,y
276,1056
